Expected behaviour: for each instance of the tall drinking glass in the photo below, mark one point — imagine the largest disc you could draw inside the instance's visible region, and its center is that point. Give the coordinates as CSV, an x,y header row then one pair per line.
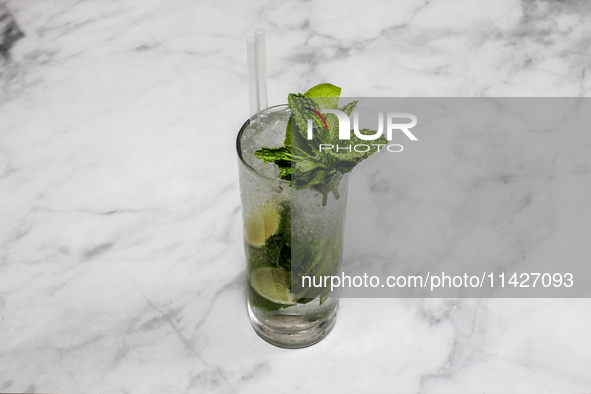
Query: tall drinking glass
x,y
293,239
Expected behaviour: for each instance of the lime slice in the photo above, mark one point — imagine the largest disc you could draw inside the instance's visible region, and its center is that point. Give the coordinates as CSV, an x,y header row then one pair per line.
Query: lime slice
x,y
272,284
325,95
261,224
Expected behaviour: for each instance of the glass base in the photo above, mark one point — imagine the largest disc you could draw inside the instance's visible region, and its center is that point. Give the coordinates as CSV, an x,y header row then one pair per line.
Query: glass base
x,y
293,331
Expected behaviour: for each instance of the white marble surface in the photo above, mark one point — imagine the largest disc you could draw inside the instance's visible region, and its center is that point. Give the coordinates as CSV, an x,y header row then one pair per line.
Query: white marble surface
x,y
121,263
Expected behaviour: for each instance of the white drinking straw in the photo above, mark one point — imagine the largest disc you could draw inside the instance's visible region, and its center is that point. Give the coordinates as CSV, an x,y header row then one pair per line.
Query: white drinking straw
x,y
261,47
253,88
257,76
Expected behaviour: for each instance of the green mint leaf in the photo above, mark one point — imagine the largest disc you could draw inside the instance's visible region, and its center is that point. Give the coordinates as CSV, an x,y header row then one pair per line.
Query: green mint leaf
x,y
280,156
307,170
344,161
277,251
301,110
284,170
268,155
277,248
300,160
287,140
304,108
348,108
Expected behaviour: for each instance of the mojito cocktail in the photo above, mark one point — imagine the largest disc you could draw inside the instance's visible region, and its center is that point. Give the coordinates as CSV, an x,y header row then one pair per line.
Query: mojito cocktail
x,y
288,235
294,196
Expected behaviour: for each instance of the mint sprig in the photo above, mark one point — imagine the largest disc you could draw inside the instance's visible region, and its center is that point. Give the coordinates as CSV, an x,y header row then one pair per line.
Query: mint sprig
x,y
300,159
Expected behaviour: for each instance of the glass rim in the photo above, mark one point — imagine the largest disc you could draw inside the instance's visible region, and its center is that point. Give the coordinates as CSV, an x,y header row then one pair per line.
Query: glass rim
x,y
239,150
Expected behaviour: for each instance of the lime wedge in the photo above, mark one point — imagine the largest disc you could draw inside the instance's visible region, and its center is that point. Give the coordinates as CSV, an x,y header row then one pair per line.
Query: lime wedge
x,y
272,284
261,224
325,95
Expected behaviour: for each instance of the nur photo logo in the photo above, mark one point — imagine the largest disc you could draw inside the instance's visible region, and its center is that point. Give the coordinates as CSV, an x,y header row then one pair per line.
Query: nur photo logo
x,y
392,124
